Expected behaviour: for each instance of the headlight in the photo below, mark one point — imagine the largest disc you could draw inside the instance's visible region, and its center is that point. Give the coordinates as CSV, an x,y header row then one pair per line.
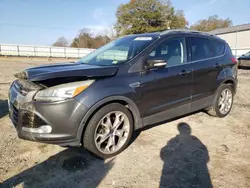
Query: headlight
x,y
62,92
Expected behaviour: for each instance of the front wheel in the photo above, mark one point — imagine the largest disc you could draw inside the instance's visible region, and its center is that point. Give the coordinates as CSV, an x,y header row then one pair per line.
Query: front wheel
x,y
223,101
109,131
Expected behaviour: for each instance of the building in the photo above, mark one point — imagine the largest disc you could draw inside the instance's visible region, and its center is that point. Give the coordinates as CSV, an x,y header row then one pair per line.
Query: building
x,y
238,37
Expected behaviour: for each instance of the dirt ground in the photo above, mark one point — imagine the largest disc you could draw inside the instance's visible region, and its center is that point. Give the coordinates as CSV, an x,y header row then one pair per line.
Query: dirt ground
x,y
215,154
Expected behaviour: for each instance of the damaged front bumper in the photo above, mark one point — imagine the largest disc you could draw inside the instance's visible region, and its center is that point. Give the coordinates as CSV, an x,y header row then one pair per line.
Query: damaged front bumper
x,y
48,122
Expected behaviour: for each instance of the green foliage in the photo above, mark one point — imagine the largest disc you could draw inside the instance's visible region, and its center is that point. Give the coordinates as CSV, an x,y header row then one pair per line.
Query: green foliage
x,y
86,39
140,16
212,23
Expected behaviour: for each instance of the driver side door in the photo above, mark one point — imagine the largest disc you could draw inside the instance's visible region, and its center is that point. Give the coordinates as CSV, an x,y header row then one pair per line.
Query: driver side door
x,y
166,92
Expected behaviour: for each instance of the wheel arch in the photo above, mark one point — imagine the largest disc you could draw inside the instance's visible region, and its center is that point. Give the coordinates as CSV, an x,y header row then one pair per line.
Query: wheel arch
x,y
229,80
138,123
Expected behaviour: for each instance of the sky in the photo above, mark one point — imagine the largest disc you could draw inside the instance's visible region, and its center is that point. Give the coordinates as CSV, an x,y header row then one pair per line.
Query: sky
x,y
41,22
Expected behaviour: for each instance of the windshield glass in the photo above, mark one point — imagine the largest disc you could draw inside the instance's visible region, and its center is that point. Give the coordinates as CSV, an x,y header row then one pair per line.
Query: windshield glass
x,y
118,51
247,54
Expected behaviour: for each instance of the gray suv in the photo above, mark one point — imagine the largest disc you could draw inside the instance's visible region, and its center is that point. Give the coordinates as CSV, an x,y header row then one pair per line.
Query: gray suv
x,y
134,81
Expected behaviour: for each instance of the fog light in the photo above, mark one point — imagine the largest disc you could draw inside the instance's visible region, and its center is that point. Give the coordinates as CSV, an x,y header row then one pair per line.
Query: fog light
x,y
42,129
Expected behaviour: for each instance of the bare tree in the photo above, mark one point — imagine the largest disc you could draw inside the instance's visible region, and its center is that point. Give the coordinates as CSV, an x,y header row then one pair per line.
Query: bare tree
x,y
61,42
86,39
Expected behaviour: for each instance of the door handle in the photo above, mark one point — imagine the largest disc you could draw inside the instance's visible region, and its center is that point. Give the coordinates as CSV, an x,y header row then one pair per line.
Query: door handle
x,y
184,72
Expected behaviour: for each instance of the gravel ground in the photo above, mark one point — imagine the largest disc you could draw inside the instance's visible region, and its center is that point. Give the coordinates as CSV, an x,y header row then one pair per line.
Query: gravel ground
x,y
215,154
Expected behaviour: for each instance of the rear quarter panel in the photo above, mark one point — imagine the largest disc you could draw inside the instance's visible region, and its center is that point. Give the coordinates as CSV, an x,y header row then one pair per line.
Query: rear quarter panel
x,y
229,71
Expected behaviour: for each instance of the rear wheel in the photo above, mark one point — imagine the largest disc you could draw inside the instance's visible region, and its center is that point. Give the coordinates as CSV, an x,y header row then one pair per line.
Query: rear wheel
x,y
109,131
223,101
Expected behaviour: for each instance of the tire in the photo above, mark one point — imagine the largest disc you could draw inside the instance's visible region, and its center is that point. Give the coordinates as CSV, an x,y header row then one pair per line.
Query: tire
x,y
95,126
215,108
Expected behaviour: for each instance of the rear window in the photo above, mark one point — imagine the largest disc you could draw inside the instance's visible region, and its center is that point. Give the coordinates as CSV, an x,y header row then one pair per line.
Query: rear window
x,y
201,49
219,48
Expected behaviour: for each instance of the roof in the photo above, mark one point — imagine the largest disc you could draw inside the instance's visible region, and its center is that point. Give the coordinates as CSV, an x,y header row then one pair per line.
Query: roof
x,y
153,34
177,31
187,31
232,29
173,31
170,31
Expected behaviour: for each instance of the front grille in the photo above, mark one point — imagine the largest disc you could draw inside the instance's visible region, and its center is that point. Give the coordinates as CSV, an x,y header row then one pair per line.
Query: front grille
x,y
13,114
24,87
20,89
30,119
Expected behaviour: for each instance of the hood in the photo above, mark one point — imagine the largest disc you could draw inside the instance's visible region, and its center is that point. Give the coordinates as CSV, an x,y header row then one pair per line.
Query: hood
x,y
66,70
244,57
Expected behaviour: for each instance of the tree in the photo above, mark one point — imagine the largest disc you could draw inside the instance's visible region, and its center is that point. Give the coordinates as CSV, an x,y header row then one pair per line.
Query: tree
x,y
61,42
212,23
140,16
86,39
83,40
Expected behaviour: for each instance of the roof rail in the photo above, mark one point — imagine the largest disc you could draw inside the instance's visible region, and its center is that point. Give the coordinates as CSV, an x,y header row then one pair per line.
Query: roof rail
x,y
185,31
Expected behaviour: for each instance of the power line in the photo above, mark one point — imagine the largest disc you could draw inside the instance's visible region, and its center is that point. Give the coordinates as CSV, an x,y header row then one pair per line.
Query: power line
x,y
39,26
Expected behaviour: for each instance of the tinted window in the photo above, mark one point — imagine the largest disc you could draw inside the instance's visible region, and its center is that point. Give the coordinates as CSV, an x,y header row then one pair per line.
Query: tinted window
x,y
201,49
219,48
172,50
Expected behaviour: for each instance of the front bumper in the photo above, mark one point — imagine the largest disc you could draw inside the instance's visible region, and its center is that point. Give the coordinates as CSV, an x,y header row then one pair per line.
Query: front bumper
x,y
63,117
244,63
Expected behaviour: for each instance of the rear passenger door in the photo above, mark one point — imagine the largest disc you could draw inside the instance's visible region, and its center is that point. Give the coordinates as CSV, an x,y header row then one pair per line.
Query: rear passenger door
x,y
205,59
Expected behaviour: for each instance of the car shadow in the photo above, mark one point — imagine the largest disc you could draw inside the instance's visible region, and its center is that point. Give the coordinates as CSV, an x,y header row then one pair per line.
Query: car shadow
x,y
244,67
185,160
137,133
73,167
4,110
168,120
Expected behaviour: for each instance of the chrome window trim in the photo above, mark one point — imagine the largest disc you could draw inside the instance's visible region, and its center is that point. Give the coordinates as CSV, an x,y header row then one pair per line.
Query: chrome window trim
x,y
185,40
191,62
224,53
206,58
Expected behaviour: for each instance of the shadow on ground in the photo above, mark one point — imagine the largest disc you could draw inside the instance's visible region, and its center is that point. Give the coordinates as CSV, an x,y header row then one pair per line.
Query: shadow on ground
x,y
244,67
3,108
73,167
185,160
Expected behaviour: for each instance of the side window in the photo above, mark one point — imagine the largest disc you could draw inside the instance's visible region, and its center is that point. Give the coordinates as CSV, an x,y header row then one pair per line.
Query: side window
x,y
219,48
171,50
201,48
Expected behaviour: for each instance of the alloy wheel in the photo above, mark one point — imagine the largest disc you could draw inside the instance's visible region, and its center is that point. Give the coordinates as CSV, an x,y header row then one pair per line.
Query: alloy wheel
x,y
112,132
225,101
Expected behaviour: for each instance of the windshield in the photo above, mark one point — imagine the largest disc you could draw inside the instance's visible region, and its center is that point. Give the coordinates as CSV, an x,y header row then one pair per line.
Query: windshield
x,y
247,54
118,51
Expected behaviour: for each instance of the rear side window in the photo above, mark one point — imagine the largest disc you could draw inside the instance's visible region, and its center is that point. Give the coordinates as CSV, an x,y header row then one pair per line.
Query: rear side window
x,y
219,48
201,49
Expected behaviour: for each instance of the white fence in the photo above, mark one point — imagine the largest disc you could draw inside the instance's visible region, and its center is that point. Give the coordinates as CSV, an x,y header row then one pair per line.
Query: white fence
x,y
43,51
240,51
65,52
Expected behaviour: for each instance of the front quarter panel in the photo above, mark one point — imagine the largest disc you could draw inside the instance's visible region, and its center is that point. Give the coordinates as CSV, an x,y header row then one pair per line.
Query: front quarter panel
x,y
122,85
124,88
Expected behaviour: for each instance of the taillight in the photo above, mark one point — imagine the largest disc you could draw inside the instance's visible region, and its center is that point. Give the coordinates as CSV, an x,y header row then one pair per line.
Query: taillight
x,y
234,60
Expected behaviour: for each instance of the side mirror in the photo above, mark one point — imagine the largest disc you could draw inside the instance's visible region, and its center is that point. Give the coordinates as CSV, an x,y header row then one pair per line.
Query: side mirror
x,y
156,64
